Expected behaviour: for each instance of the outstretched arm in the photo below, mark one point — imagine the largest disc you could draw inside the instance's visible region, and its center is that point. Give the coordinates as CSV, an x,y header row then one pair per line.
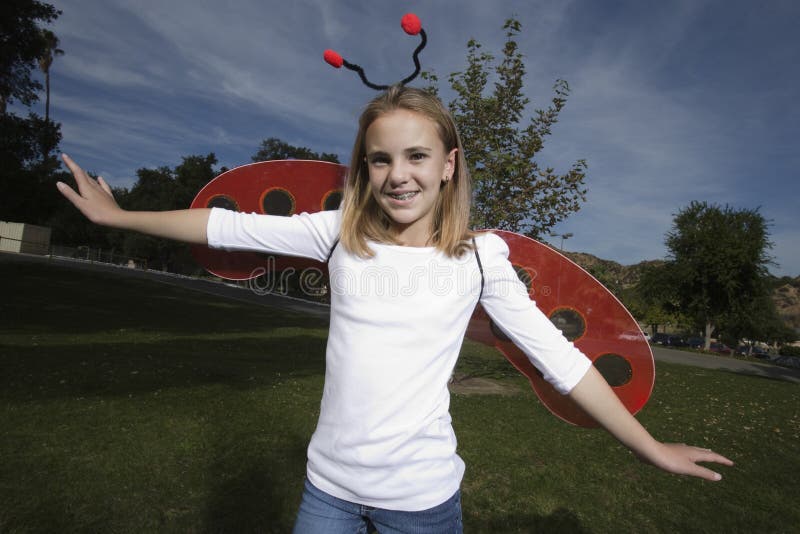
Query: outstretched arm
x,y
596,397
95,200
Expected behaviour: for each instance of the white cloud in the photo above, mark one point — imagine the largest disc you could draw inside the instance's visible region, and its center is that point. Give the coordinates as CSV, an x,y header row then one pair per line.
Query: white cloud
x,y
652,109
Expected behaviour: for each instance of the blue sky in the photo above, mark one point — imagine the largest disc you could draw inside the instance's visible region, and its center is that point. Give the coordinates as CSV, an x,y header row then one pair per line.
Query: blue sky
x,y
672,101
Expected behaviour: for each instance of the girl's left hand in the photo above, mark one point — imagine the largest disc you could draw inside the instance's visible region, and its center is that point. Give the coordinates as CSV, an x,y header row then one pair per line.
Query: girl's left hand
x,y
596,397
683,459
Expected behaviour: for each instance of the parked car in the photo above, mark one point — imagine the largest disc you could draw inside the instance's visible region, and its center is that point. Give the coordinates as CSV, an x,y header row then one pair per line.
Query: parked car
x,y
762,353
755,351
668,340
696,342
659,338
720,348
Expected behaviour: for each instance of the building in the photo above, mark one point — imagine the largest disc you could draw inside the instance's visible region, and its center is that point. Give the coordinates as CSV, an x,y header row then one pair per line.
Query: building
x,y
25,238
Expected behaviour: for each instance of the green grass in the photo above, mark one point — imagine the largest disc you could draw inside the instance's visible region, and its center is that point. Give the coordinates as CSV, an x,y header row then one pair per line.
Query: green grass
x,y
132,406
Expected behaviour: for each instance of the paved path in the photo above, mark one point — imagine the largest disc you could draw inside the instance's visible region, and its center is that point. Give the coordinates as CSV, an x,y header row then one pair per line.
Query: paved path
x,y
707,361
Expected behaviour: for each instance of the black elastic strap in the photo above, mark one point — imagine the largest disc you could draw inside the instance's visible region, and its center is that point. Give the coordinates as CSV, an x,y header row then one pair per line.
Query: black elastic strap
x,y
480,267
333,247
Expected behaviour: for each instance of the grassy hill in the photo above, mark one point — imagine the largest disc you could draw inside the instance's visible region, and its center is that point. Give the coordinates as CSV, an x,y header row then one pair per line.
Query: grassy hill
x,y
128,405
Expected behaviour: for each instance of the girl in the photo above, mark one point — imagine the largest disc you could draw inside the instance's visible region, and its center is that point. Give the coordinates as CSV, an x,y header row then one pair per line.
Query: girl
x,y
405,276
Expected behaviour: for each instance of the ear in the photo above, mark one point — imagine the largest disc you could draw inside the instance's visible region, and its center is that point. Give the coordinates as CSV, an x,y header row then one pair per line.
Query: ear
x,y
450,165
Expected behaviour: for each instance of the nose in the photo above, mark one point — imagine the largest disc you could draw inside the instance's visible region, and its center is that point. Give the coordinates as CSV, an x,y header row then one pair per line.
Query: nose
x,y
398,174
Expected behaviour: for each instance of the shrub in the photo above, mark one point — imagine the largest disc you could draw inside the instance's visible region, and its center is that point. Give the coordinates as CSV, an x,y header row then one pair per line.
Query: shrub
x,y
790,350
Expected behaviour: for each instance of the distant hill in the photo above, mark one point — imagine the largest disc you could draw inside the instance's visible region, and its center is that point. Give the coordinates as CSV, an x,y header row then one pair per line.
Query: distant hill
x,y
786,294
617,277
610,272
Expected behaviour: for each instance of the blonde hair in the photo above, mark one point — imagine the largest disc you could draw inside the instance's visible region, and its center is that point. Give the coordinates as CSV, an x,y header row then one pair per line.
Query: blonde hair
x,y
362,217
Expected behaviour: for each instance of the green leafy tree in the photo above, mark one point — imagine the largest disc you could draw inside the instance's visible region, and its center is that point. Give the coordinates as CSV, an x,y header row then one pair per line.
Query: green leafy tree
x,y
716,273
512,191
29,168
22,44
654,301
28,164
276,149
757,321
163,189
191,176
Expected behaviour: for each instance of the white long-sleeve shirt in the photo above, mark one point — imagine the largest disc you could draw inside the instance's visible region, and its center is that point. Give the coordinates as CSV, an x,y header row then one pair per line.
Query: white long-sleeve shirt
x,y
384,436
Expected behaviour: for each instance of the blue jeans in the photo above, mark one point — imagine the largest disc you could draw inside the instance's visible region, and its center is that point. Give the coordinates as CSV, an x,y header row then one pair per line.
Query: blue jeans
x,y
321,513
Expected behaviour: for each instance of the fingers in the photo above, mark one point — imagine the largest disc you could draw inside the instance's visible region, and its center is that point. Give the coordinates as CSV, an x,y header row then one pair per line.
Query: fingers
x,y
68,192
105,186
73,167
701,455
83,180
707,455
93,198
683,459
706,474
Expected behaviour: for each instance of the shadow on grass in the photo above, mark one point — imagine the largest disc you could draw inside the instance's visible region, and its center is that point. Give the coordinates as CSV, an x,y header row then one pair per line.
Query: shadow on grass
x,y
561,520
209,459
262,495
55,299
121,369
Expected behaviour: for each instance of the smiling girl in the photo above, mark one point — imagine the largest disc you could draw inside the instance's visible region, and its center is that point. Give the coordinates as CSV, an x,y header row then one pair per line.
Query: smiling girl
x,y
383,455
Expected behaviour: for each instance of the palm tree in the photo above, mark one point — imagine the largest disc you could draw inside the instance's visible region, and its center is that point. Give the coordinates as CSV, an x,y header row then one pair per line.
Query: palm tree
x,y
45,62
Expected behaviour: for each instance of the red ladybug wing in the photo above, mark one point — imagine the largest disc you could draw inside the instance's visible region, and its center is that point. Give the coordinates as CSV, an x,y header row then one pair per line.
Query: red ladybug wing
x,y
602,328
280,187
588,314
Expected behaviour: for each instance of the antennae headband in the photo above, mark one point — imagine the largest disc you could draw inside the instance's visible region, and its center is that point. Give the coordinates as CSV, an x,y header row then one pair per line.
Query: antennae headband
x,y
412,26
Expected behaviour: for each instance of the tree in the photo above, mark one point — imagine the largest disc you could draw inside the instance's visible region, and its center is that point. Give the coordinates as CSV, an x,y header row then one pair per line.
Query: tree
x,y
45,62
653,300
512,192
163,189
275,149
716,272
22,44
29,168
28,164
758,321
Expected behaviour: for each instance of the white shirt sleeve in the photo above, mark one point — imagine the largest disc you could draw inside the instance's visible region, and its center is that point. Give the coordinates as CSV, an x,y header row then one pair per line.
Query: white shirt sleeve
x,y
304,235
506,300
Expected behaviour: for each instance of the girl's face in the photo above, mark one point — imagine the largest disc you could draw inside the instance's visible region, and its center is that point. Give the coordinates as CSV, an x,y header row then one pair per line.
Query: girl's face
x,y
407,164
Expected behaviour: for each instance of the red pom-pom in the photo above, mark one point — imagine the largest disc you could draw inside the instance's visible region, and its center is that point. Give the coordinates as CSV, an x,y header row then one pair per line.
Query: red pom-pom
x,y
333,58
411,24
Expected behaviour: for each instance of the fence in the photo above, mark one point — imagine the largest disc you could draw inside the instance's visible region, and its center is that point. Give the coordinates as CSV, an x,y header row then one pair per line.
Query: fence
x,y
98,256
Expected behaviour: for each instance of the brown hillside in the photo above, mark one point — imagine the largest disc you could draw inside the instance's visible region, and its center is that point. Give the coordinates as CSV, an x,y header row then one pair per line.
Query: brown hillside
x,y
787,301
617,277
610,272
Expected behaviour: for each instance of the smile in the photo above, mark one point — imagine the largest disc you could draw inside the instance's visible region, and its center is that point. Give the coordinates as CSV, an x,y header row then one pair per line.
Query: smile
x,y
403,196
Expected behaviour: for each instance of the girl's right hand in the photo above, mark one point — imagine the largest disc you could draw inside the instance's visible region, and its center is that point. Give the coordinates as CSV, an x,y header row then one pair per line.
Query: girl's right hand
x,y
94,197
